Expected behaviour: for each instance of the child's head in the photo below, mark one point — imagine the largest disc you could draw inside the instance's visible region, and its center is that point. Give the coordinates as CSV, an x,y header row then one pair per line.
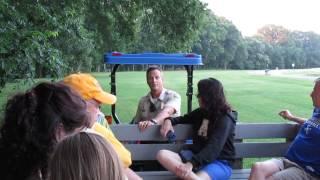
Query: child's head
x,y
85,156
33,123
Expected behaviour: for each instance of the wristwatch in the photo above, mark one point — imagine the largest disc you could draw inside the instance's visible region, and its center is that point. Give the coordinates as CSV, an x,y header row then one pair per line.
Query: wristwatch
x,y
154,121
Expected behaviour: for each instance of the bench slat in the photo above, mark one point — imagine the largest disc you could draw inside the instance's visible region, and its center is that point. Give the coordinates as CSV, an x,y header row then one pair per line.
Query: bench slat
x,y
138,150
157,175
264,149
262,130
239,174
131,132
243,150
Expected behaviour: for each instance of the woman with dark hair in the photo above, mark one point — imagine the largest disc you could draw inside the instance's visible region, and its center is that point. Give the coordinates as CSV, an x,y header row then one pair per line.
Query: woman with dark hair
x,y
33,123
212,153
85,156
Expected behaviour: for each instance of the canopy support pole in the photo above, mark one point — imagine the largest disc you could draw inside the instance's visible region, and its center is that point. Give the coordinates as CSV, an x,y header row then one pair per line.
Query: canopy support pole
x,y
114,92
189,94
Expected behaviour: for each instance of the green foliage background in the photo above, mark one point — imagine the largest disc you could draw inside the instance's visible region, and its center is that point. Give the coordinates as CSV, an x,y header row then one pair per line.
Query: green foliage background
x,y
52,38
49,39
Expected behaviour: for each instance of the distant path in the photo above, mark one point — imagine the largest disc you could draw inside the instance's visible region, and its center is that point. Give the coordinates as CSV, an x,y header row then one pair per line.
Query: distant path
x,y
308,74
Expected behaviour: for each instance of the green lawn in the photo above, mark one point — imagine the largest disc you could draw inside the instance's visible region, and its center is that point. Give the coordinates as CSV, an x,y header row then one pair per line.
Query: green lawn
x,y
257,98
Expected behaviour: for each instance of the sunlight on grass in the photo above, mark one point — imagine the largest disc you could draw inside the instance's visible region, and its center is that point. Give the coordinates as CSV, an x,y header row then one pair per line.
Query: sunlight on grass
x,y
257,98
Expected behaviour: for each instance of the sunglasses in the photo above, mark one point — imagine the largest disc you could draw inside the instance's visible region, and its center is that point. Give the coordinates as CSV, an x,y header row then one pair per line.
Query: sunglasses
x,y
152,107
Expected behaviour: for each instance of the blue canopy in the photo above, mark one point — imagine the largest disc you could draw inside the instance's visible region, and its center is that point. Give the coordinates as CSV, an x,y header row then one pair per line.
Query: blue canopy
x,y
188,60
153,58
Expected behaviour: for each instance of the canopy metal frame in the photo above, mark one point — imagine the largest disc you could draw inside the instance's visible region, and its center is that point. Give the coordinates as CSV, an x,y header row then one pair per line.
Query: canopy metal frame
x,y
164,60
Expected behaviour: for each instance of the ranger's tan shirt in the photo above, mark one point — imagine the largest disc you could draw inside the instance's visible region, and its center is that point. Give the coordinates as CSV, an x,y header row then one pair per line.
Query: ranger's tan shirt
x,y
149,107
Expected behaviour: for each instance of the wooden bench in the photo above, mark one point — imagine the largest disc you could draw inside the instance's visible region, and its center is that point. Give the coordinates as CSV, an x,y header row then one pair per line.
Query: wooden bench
x,y
251,141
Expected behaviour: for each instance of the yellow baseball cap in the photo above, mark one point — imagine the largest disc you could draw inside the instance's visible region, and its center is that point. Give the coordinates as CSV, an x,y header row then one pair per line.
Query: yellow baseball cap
x,y
89,88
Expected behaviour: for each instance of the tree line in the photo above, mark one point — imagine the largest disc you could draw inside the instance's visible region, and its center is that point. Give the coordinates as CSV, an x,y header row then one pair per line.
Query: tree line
x,y
52,38
272,47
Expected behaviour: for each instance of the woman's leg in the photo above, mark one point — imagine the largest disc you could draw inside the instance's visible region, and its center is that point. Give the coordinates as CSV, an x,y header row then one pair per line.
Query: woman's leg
x,y
263,170
168,159
171,161
203,175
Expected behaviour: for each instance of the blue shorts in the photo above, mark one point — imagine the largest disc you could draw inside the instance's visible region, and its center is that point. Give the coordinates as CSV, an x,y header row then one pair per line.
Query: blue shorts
x,y
217,170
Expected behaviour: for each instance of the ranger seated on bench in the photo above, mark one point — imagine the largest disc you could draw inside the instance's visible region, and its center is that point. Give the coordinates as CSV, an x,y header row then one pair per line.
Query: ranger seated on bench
x,y
212,153
159,103
302,160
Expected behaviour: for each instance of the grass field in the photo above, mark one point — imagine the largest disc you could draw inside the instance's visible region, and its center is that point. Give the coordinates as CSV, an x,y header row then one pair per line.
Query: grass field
x,y
257,98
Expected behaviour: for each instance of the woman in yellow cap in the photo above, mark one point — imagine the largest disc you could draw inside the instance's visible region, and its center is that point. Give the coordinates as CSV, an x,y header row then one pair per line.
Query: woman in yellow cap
x,y
90,90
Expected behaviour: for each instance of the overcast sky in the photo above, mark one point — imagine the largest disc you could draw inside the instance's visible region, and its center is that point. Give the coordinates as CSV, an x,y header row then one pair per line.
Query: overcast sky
x,y
250,15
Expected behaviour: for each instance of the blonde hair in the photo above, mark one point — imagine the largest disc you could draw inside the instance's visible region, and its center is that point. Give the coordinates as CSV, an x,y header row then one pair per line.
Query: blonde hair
x,y
85,156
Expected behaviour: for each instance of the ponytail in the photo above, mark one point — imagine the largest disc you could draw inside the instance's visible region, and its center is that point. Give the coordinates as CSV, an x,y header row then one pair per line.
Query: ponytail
x,y
27,136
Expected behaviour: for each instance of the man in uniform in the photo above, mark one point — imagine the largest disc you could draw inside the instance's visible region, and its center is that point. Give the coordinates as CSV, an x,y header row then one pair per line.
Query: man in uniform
x,y
158,104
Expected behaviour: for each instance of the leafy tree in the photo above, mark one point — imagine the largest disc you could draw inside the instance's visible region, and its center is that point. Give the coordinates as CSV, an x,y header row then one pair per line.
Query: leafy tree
x,y
26,32
219,43
273,34
176,22
311,47
51,38
231,44
210,40
257,58
276,54
241,55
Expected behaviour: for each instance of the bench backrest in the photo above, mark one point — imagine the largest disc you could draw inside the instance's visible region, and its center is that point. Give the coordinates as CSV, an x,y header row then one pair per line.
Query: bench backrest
x,y
251,140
